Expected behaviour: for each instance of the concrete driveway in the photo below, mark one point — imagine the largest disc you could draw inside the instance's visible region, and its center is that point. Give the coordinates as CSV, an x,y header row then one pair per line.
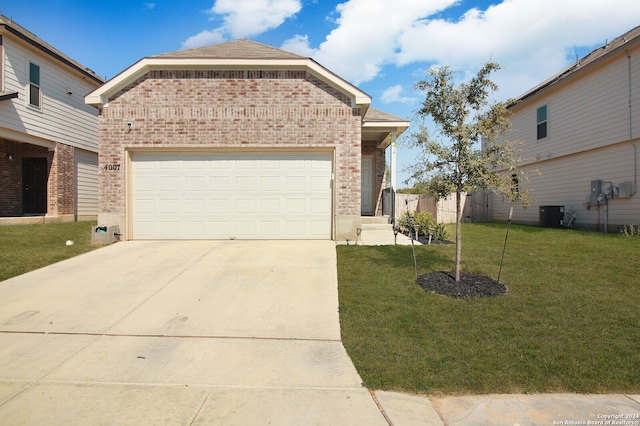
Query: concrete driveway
x,y
214,332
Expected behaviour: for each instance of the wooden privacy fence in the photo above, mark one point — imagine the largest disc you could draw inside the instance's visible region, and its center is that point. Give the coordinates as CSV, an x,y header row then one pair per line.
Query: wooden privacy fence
x,y
444,211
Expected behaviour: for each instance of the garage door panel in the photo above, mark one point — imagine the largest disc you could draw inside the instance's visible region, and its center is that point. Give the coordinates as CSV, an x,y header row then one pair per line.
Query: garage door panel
x,y
246,205
296,183
220,206
195,183
144,206
221,196
170,228
269,205
220,229
144,183
270,183
169,183
320,205
195,206
220,183
295,205
245,228
195,229
169,164
245,183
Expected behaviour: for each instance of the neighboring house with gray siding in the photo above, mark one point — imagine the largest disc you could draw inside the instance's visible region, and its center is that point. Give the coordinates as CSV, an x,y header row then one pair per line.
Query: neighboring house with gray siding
x,y
48,136
581,132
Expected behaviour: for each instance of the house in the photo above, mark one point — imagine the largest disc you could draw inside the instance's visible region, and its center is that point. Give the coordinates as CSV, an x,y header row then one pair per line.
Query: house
x,y
581,132
48,136
238,140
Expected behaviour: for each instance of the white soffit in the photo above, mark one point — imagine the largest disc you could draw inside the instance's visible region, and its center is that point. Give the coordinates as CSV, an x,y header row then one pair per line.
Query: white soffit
x,y
100,96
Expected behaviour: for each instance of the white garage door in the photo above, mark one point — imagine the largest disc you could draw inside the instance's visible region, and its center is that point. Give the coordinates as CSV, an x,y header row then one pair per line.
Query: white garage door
x,y
229,196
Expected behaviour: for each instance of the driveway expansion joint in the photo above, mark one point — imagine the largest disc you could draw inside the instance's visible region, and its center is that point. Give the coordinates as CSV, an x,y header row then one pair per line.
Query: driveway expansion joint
x,y
172,336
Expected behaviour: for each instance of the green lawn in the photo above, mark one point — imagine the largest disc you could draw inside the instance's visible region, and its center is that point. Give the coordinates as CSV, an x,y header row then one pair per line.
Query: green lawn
x,y
24,248
570,321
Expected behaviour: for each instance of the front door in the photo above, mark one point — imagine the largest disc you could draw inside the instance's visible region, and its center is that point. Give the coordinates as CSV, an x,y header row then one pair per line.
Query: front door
x,y
34,185
366,190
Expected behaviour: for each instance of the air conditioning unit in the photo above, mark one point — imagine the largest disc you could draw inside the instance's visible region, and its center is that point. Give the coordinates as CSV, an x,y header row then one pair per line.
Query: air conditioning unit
x,y
552,216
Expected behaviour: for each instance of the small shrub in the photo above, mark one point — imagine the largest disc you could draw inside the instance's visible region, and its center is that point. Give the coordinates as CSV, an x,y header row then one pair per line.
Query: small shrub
x,y
425,221
630,231
440,232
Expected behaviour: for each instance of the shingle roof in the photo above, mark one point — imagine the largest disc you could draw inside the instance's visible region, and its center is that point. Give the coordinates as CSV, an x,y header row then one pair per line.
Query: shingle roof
x,y
239,53
594,56
29,37
376,116
237,49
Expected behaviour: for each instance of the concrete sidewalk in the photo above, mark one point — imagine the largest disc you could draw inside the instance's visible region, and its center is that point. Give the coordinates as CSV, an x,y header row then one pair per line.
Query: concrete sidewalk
x,y
231,333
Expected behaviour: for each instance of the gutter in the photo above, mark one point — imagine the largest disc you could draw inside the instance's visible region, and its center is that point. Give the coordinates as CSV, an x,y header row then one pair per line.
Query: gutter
x,y
591,58
51,52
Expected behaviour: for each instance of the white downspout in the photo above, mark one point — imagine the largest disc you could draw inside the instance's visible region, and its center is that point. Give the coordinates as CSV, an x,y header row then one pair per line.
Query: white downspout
x,y
393,162
393,178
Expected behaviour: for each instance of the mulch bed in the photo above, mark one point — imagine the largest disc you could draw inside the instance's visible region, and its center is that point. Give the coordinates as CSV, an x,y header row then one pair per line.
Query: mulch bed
x,y
469,286
425,239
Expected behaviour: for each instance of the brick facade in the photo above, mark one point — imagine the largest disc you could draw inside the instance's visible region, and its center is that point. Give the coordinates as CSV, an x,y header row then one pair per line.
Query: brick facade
x,y
230,110
61,199
60,177
11,185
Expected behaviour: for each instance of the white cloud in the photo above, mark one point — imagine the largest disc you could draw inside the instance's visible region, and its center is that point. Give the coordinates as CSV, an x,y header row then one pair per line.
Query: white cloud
x,y
299,44
367,35
245,18
394,94
531,39
150,6
203,38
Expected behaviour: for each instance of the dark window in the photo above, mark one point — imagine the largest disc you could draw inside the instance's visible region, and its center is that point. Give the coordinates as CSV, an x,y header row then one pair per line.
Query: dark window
x,y
34,85
515,180
543,130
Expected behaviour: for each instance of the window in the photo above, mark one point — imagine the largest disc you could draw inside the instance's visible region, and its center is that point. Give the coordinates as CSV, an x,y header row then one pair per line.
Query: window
x,y
34,85
515,181
543,130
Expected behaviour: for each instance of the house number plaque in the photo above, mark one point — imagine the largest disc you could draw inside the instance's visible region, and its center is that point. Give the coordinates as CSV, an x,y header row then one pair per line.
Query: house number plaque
x,y
112,167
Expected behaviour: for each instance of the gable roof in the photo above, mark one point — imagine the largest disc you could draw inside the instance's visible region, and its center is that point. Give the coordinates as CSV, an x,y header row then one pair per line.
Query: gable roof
x,y
243,54
239,49
379,126
9,27
594,57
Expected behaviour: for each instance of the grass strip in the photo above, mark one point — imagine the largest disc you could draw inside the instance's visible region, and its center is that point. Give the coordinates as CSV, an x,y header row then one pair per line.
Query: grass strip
x,y
568,323
24,248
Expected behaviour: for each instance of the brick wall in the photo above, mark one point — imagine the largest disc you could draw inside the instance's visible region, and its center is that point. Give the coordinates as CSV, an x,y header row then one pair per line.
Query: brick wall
x,y
230,109
61,187
11,174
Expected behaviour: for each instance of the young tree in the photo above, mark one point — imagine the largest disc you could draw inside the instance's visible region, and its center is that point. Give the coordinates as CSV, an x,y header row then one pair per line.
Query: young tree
x,y
471,157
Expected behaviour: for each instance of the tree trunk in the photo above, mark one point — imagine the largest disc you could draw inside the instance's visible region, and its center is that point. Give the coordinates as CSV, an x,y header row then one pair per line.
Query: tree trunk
x,y
458,239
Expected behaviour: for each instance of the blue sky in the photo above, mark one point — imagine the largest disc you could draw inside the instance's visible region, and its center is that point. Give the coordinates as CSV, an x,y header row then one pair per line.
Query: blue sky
x,y
382,46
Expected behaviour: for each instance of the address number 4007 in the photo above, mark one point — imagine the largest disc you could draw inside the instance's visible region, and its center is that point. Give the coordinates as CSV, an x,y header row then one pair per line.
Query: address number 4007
x,y
112,167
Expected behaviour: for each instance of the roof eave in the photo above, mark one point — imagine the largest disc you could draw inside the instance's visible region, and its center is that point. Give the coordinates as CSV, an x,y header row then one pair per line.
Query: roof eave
x,y
33,41
100,96
387,128
578,67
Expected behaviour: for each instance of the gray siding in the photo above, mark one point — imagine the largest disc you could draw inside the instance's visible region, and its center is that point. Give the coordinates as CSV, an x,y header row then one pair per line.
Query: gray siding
x,y
86,172
592,129
63,118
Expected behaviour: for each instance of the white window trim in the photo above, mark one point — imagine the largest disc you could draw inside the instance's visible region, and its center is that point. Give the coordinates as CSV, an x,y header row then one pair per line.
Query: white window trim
x,y
545,121
28,87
